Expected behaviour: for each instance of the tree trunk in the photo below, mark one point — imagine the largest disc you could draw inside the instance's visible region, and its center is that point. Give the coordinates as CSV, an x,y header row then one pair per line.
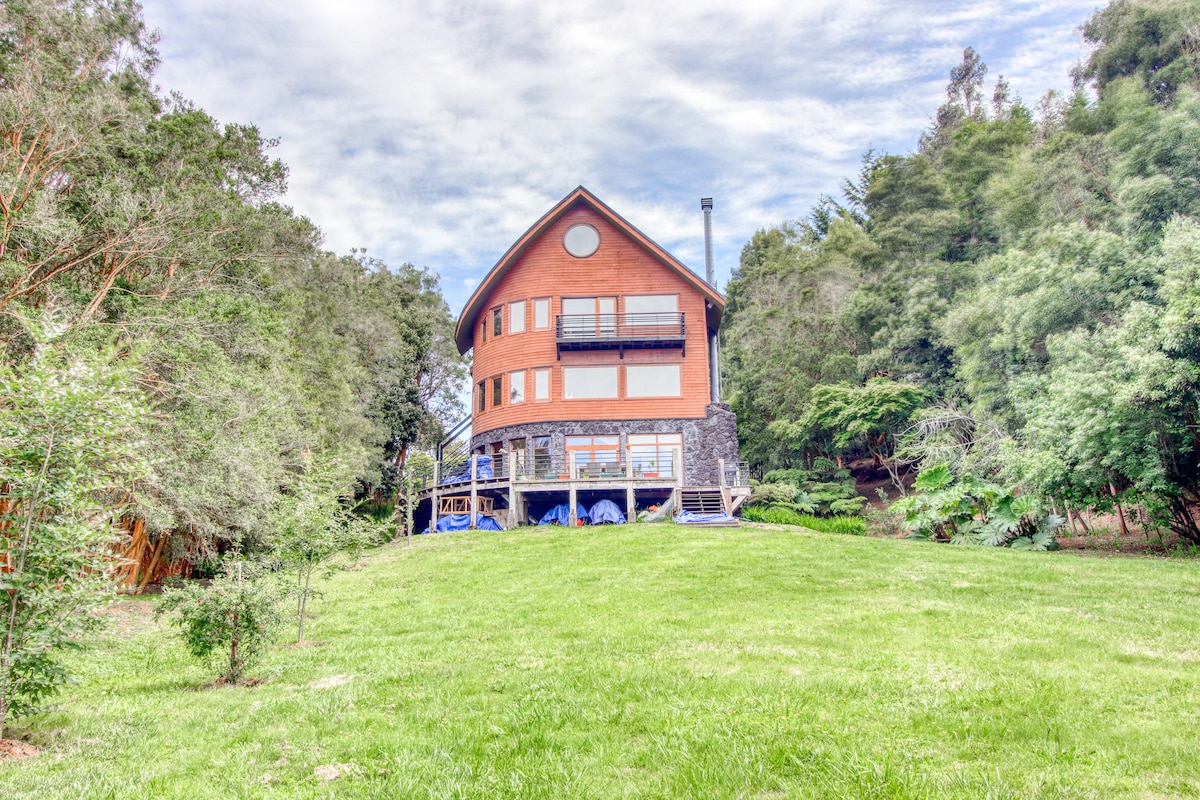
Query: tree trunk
x,y
1120,512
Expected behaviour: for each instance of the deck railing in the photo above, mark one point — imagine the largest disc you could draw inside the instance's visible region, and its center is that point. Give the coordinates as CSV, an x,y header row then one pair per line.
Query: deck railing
x,y
665,326
735,473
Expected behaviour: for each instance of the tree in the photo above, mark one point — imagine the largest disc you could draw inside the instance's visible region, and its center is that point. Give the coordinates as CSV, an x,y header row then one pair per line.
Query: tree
x,y
1156,41
857,418
69,457
313,522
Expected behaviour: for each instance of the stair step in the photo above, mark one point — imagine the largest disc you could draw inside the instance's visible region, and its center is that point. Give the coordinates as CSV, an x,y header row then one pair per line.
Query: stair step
x,y
702,501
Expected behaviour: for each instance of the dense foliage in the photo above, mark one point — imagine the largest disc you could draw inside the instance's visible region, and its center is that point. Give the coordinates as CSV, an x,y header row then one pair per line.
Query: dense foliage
x,y
1024,280
130,218
169,329
68,452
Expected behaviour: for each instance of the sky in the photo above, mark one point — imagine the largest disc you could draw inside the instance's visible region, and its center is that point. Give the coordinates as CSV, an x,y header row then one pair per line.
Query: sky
x,y
436,133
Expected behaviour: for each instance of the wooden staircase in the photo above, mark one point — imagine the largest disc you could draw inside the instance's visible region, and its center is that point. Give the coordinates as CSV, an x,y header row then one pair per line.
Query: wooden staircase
x,y
706,500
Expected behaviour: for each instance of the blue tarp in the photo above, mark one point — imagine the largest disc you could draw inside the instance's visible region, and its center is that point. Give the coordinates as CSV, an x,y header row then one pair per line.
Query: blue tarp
x,y
483,472
561,515
462,522
685,517
606,511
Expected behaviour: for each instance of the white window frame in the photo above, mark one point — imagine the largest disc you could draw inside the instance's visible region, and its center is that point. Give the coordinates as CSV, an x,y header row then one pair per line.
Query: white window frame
x,y
541,380
516,316
573,375
633,377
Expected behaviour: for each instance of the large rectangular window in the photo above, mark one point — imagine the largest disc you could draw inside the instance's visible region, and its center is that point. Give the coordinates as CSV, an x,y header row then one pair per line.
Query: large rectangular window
x,y
516,386
594,455
589,317
541,384
541,313
660,380
651,309
655,455
516,316
589,382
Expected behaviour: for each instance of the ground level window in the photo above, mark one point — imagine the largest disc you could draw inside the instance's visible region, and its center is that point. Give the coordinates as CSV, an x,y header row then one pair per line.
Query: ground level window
x,y
542,463
594,455
655,455
518,446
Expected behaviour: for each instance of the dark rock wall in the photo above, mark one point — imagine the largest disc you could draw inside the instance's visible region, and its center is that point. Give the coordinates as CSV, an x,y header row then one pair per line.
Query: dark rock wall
x,y
704,440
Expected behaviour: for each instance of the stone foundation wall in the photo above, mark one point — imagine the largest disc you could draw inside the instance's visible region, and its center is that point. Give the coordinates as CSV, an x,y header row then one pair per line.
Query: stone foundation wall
x,y
705,440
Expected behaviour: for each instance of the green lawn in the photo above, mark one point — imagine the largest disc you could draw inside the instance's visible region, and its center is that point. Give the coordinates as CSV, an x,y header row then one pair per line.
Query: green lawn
x,y
656,661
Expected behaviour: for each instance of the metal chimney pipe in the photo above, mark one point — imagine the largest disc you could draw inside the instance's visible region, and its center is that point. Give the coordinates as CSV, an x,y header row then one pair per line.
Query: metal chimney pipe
x,y
710,275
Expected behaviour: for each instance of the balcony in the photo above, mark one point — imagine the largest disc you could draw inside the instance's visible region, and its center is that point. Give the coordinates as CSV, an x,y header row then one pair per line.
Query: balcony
x,y
620,331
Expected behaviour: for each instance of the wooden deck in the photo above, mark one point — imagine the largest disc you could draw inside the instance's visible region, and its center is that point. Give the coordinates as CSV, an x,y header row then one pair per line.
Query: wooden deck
x,y
515,495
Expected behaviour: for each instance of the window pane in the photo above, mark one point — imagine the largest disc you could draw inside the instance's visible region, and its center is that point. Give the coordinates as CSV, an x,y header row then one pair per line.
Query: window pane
x,y
541,384
579,305
589,382
541,313
516,317
516,387
652,309
656,381
497,321
497,388
481,395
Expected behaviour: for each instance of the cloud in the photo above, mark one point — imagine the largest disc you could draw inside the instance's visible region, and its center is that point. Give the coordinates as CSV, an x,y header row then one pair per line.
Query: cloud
x,y
437,133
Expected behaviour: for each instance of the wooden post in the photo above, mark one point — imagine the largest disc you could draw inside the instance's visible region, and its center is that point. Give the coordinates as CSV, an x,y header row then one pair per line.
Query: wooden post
x,y
512,491
630,504
474,492
434,498
720,472
571,500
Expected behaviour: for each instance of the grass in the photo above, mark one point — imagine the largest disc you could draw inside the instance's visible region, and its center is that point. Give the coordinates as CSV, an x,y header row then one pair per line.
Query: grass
x,y
660,661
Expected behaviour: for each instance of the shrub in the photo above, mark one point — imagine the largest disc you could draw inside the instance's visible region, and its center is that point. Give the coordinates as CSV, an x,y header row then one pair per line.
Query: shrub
x,y
232,621
968,510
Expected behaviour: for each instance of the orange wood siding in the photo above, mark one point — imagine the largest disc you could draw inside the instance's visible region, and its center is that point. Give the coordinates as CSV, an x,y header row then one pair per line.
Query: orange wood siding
x,y
620,267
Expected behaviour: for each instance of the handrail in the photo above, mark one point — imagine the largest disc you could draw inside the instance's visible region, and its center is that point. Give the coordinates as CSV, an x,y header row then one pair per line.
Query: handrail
x,y
594,327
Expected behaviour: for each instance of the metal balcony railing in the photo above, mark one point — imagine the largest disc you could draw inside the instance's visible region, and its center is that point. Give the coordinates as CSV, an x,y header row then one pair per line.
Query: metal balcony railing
x,y
592,331
735,473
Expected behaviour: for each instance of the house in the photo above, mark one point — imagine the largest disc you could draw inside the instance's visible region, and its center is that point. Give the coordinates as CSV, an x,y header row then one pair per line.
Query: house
x,y
594,369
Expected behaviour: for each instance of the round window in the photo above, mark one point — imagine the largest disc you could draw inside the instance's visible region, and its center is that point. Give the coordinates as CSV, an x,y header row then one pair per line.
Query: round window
x,y
581,240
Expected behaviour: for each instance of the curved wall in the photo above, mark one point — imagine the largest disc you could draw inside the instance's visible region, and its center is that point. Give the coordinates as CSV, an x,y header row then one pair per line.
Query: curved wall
x,y
618,268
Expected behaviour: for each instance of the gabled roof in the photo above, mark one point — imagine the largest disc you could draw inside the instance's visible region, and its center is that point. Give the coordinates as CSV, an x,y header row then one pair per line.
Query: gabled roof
x,y
580,196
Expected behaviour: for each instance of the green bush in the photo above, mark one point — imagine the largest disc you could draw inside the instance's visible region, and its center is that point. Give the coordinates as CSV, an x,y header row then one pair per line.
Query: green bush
x,y
795,477
969,510
231,622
